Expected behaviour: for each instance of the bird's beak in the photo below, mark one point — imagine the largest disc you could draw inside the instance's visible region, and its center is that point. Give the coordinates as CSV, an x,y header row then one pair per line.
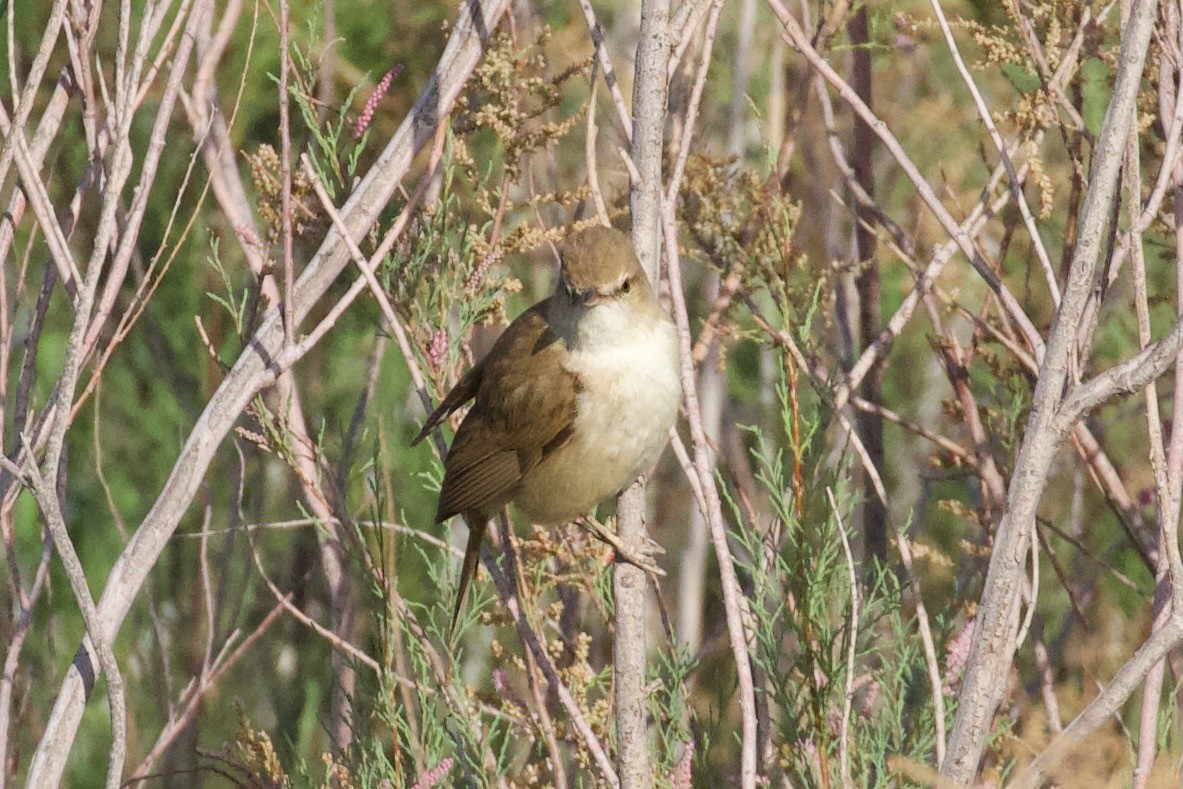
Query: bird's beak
x,y
586,297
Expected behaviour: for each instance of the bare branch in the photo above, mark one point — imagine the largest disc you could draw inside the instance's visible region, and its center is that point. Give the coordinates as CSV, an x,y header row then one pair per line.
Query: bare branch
x,y
1104,705
624,124
995,137
848,695
993,643
256,369
629,583
1123,378
736,606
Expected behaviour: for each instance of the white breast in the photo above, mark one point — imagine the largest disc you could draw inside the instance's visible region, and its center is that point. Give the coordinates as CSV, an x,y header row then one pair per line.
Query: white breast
x,y
628,402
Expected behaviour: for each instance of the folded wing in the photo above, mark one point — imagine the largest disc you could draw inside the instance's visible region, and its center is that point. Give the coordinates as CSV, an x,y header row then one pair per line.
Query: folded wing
x,y
524,410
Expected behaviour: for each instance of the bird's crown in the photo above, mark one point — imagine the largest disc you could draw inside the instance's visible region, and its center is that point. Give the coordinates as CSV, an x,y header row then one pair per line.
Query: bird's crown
x,y
599,258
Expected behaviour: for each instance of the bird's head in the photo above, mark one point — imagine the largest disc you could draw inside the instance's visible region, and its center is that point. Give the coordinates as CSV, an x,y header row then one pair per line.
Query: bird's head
x,y
603,296
600,268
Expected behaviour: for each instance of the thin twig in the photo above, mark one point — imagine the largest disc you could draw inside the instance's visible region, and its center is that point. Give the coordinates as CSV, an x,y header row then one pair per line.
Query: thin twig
x,y
735,604
1016,186
285,164
624,123
589,150
328,635
507,586
256,369
848,695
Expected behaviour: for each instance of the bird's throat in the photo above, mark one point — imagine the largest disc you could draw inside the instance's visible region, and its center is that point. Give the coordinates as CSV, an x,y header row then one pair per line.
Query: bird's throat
x,y
605,326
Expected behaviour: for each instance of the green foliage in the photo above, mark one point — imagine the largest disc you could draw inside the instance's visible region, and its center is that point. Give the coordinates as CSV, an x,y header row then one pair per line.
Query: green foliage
x,y
333,154
511,181
442,284
802,621
233,303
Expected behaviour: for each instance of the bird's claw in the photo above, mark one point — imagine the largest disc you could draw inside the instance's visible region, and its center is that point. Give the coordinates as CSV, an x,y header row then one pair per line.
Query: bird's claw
x,y
637,555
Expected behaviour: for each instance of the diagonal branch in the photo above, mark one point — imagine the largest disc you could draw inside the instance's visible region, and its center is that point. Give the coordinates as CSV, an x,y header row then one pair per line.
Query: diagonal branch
x,y
256,369
993,647
1122,378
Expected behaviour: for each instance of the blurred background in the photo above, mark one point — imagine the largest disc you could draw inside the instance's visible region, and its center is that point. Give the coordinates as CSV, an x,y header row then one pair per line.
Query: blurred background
x,y
310,532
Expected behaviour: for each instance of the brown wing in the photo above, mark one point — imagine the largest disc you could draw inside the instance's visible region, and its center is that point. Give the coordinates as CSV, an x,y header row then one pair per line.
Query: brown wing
x,y
525,406
464,390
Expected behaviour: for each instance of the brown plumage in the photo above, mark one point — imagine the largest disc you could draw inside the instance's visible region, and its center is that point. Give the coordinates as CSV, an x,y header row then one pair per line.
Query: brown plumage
x,y
526,394
502,437
525,404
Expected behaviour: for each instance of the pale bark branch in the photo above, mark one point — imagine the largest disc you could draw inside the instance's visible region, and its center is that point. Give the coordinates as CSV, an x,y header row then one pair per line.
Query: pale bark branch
x,y
737,610
851,648
629,585
624,124
256,369
1016,185
993,644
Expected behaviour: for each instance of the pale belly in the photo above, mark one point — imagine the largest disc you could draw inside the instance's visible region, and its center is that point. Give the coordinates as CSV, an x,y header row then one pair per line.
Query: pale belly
x,y
630,401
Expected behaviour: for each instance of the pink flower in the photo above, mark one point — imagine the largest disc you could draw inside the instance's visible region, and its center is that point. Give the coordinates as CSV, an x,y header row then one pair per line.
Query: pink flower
x,y
870,697
482,268
433,776
246,234
956,655
367,112
681,777
438,349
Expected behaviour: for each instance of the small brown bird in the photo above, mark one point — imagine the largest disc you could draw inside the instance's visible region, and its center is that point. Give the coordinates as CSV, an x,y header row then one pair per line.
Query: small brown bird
x,y
573,402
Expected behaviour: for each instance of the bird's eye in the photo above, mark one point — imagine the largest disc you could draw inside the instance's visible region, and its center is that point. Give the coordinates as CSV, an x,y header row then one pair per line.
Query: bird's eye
x,y
626,286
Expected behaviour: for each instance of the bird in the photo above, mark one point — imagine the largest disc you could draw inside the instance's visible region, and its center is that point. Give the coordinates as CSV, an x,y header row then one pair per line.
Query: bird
x,y
572,403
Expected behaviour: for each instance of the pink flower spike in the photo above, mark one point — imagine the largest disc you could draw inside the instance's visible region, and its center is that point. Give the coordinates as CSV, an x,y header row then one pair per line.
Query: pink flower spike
x,y
478,274
433,776
246,234
956,656
438,348
682,776
367,112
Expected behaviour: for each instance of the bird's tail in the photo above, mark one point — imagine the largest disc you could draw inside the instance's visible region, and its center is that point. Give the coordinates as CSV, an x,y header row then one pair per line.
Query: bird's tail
x,y
477,524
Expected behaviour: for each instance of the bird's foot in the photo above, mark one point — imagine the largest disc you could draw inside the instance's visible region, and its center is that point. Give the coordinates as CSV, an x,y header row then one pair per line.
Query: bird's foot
x,y
639,556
